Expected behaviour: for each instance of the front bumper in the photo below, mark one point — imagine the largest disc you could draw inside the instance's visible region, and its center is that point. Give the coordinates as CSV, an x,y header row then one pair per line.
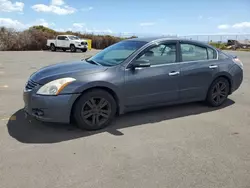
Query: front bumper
x,y
80,46
49,108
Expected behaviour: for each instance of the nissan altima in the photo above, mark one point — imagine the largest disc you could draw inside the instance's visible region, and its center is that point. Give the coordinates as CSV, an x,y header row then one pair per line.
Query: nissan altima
x,y
130,75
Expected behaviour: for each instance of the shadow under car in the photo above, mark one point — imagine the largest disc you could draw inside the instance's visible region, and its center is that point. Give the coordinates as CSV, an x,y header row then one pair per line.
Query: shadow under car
x,y
28,130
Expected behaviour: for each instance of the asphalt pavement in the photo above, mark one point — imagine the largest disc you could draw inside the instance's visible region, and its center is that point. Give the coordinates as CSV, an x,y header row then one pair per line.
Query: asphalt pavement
x,y
182,146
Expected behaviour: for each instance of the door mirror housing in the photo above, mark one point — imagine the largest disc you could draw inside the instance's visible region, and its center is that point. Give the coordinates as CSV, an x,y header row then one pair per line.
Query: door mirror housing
x,y
140,64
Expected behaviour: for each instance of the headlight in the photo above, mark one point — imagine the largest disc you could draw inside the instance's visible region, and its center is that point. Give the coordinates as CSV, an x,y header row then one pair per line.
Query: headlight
x,y
55,87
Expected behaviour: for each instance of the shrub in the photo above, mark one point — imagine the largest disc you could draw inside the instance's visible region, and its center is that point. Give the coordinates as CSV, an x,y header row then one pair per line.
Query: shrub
x,y
35,38
221,46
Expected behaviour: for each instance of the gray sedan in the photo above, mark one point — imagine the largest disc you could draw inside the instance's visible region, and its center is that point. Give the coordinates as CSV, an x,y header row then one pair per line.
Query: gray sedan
x,y
131,75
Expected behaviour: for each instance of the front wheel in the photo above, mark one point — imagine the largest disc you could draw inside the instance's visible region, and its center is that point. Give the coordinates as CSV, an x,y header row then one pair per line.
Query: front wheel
x,y
72,48
94,110
84,50
218,92
52,47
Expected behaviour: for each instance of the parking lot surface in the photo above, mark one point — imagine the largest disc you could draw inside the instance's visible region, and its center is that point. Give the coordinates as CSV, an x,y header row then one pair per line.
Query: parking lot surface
x,y
188,145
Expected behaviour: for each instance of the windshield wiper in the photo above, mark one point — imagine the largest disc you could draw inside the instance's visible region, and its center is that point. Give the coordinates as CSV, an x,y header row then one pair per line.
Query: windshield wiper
x,y
92,62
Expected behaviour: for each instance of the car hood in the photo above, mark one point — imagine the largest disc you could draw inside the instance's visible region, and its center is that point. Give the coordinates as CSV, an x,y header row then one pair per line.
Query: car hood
x,y
65,69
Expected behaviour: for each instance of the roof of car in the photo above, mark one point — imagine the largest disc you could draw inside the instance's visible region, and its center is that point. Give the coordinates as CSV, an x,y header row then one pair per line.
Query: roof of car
x,y
161,38
150,39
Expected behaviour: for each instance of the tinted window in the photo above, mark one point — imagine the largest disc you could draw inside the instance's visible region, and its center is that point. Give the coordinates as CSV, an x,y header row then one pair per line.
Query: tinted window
x,y
61,37
74,38
211,53
160,54
191,52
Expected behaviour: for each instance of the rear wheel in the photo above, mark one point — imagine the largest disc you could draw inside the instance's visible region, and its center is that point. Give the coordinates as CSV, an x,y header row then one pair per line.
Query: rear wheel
x,y
84,50
94,110
218,92
64,50
52,47
72,48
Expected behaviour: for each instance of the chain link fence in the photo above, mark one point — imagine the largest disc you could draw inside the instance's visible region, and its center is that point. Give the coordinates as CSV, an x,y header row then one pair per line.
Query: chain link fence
x,y
218,38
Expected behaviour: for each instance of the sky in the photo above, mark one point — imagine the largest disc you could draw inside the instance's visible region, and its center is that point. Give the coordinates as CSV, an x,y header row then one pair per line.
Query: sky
x,y
165,17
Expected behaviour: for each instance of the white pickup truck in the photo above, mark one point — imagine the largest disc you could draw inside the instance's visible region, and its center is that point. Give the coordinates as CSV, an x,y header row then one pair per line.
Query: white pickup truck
x,y
67,42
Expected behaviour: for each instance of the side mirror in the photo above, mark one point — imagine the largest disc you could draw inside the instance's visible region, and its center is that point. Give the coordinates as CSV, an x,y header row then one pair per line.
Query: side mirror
x,y
140,64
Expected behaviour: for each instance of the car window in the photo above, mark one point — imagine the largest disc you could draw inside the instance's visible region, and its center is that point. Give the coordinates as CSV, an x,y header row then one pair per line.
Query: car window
x,y
117,53
159,54
61,37
211,53
191,52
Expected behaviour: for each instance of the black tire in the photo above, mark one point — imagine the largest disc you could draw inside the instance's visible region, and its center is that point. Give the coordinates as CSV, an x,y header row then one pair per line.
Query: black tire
x,y
52,47
72,48
84,50
94,117
64,50
218,92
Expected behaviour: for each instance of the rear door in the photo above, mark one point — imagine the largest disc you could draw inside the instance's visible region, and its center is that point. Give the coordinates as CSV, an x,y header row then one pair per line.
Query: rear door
x,y
198,68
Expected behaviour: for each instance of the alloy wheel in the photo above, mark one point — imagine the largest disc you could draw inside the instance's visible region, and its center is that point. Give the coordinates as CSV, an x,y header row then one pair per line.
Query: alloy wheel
x,y
96,111
219,92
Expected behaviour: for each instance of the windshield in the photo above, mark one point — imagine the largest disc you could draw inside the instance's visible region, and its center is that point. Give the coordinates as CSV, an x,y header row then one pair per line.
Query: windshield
x,y
73,37
117,53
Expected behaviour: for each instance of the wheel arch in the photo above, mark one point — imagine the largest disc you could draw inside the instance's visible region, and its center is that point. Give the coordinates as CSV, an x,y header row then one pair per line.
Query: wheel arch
x,y
226,76
105,88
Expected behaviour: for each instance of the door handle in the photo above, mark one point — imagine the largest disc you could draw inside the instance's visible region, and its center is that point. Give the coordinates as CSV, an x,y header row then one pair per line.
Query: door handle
x,y
213,66
173,73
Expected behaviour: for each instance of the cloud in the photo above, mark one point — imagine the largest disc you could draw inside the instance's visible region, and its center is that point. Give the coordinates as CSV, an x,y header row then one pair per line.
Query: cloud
x,y
241,25
9,23
147,24
57,2
15,24
56,7
223,26
78,25
8,6
98,31
200,17
42,22
87,9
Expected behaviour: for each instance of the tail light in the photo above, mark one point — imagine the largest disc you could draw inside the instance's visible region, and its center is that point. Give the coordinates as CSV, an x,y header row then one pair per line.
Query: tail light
x,y
237,61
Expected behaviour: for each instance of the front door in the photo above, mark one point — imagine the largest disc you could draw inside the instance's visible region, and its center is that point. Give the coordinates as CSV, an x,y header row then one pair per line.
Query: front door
x,y
155,84
198,68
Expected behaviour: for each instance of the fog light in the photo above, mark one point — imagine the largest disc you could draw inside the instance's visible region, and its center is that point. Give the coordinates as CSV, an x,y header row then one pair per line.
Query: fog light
x,y
37,112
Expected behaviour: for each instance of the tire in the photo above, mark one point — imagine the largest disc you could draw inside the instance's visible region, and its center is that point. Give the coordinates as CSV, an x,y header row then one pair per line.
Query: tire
x,y
64,50
218,92
84,50
52,47
72,48
95,104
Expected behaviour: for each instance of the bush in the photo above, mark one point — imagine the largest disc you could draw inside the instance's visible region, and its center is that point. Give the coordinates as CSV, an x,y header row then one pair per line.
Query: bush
x,y
221,46
35,38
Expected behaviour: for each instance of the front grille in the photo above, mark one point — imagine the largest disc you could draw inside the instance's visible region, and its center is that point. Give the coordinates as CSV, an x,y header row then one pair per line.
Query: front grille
x,y
31,85
84,43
